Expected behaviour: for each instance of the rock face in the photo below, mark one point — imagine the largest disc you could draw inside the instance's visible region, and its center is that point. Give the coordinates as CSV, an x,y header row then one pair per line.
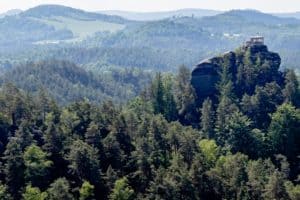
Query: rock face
x,y
205,75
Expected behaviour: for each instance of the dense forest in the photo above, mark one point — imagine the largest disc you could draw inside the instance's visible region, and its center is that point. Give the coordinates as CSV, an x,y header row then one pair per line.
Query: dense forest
x,y
104,111
67,82
165,143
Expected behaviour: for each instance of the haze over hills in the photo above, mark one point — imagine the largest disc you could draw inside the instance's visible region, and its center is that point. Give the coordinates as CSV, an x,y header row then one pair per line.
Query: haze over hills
x,y
10,12
54,23
188,12
293,14
149,16
94,40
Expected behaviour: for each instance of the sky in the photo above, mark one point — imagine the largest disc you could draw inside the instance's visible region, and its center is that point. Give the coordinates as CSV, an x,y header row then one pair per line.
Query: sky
x,y
159,5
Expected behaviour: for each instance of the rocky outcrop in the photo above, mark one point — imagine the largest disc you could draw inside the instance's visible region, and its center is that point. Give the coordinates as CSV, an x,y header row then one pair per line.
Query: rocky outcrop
x,y
253,59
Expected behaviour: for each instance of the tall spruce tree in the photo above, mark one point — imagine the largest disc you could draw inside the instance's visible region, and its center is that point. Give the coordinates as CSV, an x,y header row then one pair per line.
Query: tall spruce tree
x,y
14,167
207,119
291,90
185,96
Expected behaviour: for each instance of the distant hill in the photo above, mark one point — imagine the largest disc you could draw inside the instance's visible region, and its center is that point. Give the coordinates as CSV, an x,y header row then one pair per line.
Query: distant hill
x,y
150,16
52,24
10,12
48,11
252,16
165,44
288,15
92,40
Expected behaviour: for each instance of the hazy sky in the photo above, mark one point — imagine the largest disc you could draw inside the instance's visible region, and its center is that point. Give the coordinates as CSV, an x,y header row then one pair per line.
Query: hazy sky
x,y
159,5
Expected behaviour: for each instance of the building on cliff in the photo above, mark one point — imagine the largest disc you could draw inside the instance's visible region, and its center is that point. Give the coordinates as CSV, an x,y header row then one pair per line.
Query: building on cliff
x,y
255,40
205,75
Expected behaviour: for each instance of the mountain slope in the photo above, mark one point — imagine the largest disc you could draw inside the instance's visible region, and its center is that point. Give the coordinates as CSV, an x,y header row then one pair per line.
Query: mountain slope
x,y
67,82
54,23
44,11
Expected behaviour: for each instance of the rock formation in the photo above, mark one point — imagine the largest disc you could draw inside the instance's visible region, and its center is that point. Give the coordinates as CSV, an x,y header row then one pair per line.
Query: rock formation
x,y
252,62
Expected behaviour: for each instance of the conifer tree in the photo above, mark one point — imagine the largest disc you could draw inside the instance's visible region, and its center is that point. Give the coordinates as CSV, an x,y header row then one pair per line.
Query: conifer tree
x,y
207,119
185,96
14,167
291,90
37,166
122,191
157,93
275,188
60,189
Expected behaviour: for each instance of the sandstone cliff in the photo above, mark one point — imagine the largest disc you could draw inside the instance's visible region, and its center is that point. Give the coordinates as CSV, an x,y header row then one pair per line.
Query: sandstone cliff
x,y
249,66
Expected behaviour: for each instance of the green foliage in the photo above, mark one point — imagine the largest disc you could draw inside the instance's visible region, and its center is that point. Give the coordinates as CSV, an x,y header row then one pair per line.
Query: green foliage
x,y
145,149
259,172
122,191
34,193
4,194
14,167
291,90
292,190
240,137
284,131
84,162
69,82
37,165
157,93
264,101
207,119
86,191
275,188
185,96
162,97
210,151
60,189
230,170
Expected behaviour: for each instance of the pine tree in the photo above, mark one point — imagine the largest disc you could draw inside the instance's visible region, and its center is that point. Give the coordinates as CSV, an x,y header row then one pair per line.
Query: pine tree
x,y
291,89
84,163
24,133
34,193
86,191
225,107
170,110
44,103
275,188
122,191
259,172
60,189
185,96
207,119
227,104
37,166
157,94
284,132
14,167
93,136
240,137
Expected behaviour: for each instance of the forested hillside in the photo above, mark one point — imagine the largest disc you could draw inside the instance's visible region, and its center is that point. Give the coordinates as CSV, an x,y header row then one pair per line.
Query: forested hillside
x,y
86,38
66,82
95,106
241,144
